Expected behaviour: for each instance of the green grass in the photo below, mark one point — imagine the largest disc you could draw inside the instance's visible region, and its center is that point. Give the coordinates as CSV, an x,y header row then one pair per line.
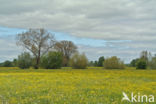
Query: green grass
x,y
68,86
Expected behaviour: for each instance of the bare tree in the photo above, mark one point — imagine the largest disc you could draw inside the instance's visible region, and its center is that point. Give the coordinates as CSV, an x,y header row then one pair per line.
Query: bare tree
x,y
37,41
146,56
67,48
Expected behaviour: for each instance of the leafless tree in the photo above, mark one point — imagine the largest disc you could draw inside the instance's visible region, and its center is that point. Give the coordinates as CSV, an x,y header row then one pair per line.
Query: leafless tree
x,y
37,41
146,56
67,48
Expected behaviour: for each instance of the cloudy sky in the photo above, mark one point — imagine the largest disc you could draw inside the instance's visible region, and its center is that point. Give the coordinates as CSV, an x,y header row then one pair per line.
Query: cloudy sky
x,y
99,27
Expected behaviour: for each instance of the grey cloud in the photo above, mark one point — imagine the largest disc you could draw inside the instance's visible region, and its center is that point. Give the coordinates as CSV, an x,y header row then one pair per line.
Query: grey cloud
x,y
8,49
98,19
111,19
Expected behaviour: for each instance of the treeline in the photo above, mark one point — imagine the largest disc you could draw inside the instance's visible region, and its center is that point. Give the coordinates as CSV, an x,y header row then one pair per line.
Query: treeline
x,y
56,60
44,51
145,61
51,60
109,63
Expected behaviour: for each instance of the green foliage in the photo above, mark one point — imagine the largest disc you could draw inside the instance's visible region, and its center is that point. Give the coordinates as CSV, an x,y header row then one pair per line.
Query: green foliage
x,y
36,41
67,48
78,61
15,64
145,61
113,63
146,56
24,60
1,64
101,61
152,63
134,62
53,60
91,64
7,64
95,63
141,64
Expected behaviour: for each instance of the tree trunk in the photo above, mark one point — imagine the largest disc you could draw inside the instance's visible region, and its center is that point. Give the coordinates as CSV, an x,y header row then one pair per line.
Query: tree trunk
x,y
37,63
38,59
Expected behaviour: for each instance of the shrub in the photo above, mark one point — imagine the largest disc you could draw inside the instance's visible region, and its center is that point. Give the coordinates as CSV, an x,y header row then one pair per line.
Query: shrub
x,y
141,64
134,62
14,63
1,64
24,60
95,63
113,63
7,64
53,60
152,63
79,61
91,64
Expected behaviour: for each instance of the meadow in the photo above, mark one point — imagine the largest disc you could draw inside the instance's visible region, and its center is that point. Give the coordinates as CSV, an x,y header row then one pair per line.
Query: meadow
x,y
69,86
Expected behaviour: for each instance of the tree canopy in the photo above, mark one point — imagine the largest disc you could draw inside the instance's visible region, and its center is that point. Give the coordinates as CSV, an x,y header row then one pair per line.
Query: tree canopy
x,y
37,41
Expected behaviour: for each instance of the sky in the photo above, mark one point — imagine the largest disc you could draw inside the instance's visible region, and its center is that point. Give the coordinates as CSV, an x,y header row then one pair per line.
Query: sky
x,y
98,27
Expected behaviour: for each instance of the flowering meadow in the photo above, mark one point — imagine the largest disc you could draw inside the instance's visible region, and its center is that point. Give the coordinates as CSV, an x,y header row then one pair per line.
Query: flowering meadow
x,y
69,86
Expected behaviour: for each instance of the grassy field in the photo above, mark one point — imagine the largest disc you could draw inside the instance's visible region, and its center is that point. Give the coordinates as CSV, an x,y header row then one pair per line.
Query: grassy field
x,y
67,86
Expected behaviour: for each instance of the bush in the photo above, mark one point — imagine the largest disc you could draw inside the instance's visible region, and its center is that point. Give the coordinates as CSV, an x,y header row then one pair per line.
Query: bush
x,y
152,63
7,64
78,61
53,60
24,60
141,64
134,62
1,64
113,63
14,63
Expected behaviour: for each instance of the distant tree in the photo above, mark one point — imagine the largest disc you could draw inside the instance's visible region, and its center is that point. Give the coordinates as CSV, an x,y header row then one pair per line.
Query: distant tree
x,y
91,63
53,60
1,64
152,64
79,61
37,41
95,63
24,60
15,64
7,64
113,63
67,48
101,61
134,62
146,56
141,64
